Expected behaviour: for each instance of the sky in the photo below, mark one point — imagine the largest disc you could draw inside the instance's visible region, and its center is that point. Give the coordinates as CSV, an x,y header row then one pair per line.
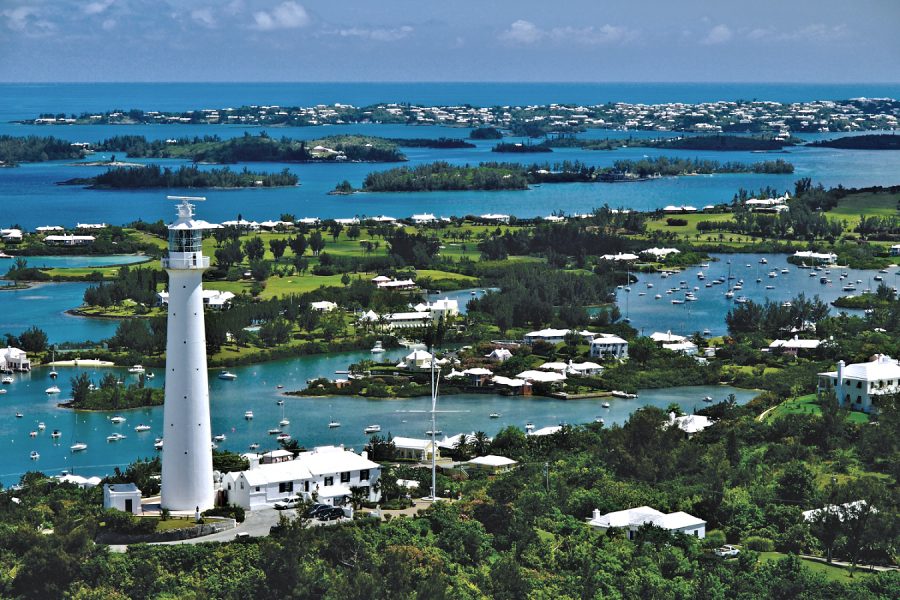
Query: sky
x,y
825,41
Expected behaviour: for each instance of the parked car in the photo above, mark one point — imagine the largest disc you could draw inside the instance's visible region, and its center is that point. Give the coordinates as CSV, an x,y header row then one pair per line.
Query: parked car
x,y
315,509
287,503
727,551
331,513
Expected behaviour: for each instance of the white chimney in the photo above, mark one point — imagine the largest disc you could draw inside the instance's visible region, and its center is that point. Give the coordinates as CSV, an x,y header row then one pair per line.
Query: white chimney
x,y
596,514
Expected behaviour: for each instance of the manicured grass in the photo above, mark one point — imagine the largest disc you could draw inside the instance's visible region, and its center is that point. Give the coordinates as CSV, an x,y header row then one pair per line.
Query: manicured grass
x,y
854,206
170,524
807,405
832,572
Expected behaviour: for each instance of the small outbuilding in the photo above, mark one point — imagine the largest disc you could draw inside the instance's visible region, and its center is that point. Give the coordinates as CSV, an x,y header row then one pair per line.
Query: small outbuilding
x,y
122,496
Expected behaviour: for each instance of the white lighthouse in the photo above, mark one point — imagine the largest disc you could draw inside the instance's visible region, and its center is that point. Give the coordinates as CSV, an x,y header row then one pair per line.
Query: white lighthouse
x,y
187,473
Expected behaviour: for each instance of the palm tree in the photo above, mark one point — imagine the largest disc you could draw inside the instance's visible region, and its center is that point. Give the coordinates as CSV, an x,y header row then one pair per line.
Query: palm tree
x,y
481,443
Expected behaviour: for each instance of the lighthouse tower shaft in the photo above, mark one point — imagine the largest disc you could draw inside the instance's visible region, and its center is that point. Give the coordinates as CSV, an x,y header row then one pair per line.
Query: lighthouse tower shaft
x,y
187,473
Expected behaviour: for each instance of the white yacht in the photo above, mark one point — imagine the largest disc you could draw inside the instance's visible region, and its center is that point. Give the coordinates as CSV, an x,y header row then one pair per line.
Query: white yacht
x,y
41,426
52,390
377,348
115,437
78,447
374,428
219,438
248,414
333,424
142,427
136,369
7,380
34,455
118,419
227,376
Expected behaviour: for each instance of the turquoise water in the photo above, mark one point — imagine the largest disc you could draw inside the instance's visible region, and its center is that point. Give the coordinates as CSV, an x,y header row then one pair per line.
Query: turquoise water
x,y
31,197
255,390
44,305
649,314
75,262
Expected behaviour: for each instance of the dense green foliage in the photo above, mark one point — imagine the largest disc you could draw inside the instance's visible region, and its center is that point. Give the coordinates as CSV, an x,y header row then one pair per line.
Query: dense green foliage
x,y
873,141
110,394
516,148
154,176
259,148
32,148
485,133
724,143
32,339
442,176
441,142
134,283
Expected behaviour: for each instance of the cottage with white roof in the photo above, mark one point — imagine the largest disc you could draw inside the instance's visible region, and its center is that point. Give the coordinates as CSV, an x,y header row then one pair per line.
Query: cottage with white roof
x,y
549,335
857,386
620,257
823,258
499,355
492,463
414,449
632,519
607,344
122,496
895,250
794,345
328,472
14,360
690,424
323,306
423,219
660,253
69,240
12,236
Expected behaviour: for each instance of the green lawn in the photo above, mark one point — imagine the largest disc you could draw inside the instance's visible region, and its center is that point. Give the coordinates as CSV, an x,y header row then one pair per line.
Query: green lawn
x,y
832,572
854,206
807,405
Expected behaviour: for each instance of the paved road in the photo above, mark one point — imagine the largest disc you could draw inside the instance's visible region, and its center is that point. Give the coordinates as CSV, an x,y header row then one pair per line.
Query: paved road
x,y
257,523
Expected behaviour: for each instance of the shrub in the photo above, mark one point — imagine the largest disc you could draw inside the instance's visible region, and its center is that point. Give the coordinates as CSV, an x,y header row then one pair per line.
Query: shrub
x,y
232,511
122,522
760,544
714,538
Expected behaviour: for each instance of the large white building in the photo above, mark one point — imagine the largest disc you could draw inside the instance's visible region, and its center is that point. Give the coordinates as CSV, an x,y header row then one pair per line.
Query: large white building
x,y
857,385
13,359
325,473
187,473
632,519
607,344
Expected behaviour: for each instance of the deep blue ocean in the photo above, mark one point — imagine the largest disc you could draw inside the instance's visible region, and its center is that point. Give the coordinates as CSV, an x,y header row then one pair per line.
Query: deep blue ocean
x,y
30,196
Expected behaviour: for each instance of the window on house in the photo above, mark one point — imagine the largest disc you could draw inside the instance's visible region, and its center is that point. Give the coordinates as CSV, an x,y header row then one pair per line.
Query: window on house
x,y
257,488
345,477
285,487
305,486
329,481
242,485
364,475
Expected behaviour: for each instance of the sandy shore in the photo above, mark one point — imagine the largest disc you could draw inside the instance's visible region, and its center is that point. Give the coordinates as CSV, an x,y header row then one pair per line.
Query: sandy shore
x,y
82,362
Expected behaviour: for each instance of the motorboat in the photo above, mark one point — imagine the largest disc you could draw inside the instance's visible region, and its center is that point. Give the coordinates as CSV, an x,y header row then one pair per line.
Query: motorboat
x,y
253,446
52,390
677,301
701,276
227,376
279,387
433,433
742,299
763,261
274,431
284,422
7,380
657,297
158,444
600,420
707,332
136,369
690,297
141,428
283,437
118,419
34,455
605,405
621,394
787,304
374,428
149,375
115,437
2,390
333,424
56,434
78,447
53,374
784,271
494,415
377,348
219,438
849,287
770,287
773,274
32,434
248,414
707,398
19,415
41,426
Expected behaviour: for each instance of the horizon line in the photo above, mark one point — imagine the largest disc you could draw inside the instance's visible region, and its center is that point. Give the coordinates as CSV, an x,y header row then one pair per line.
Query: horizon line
x,y
460,82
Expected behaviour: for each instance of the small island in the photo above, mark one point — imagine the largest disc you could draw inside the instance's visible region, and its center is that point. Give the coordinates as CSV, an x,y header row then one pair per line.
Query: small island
x,y
442,143
441,176
258,148
518,148
875,141
15,150
485,133
110,394
154,176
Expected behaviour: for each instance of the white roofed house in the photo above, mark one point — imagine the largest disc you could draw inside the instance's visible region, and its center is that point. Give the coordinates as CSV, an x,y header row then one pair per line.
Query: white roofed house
x,y
323,306
11,236
423,218
858,386
414,449
14,360
620,257
794,346
328,472
417,359
122,496
445,309
549,335
823,258
607,345
499,355
660,253
492,463
69,240
634,518
667,338
895,250
687,347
